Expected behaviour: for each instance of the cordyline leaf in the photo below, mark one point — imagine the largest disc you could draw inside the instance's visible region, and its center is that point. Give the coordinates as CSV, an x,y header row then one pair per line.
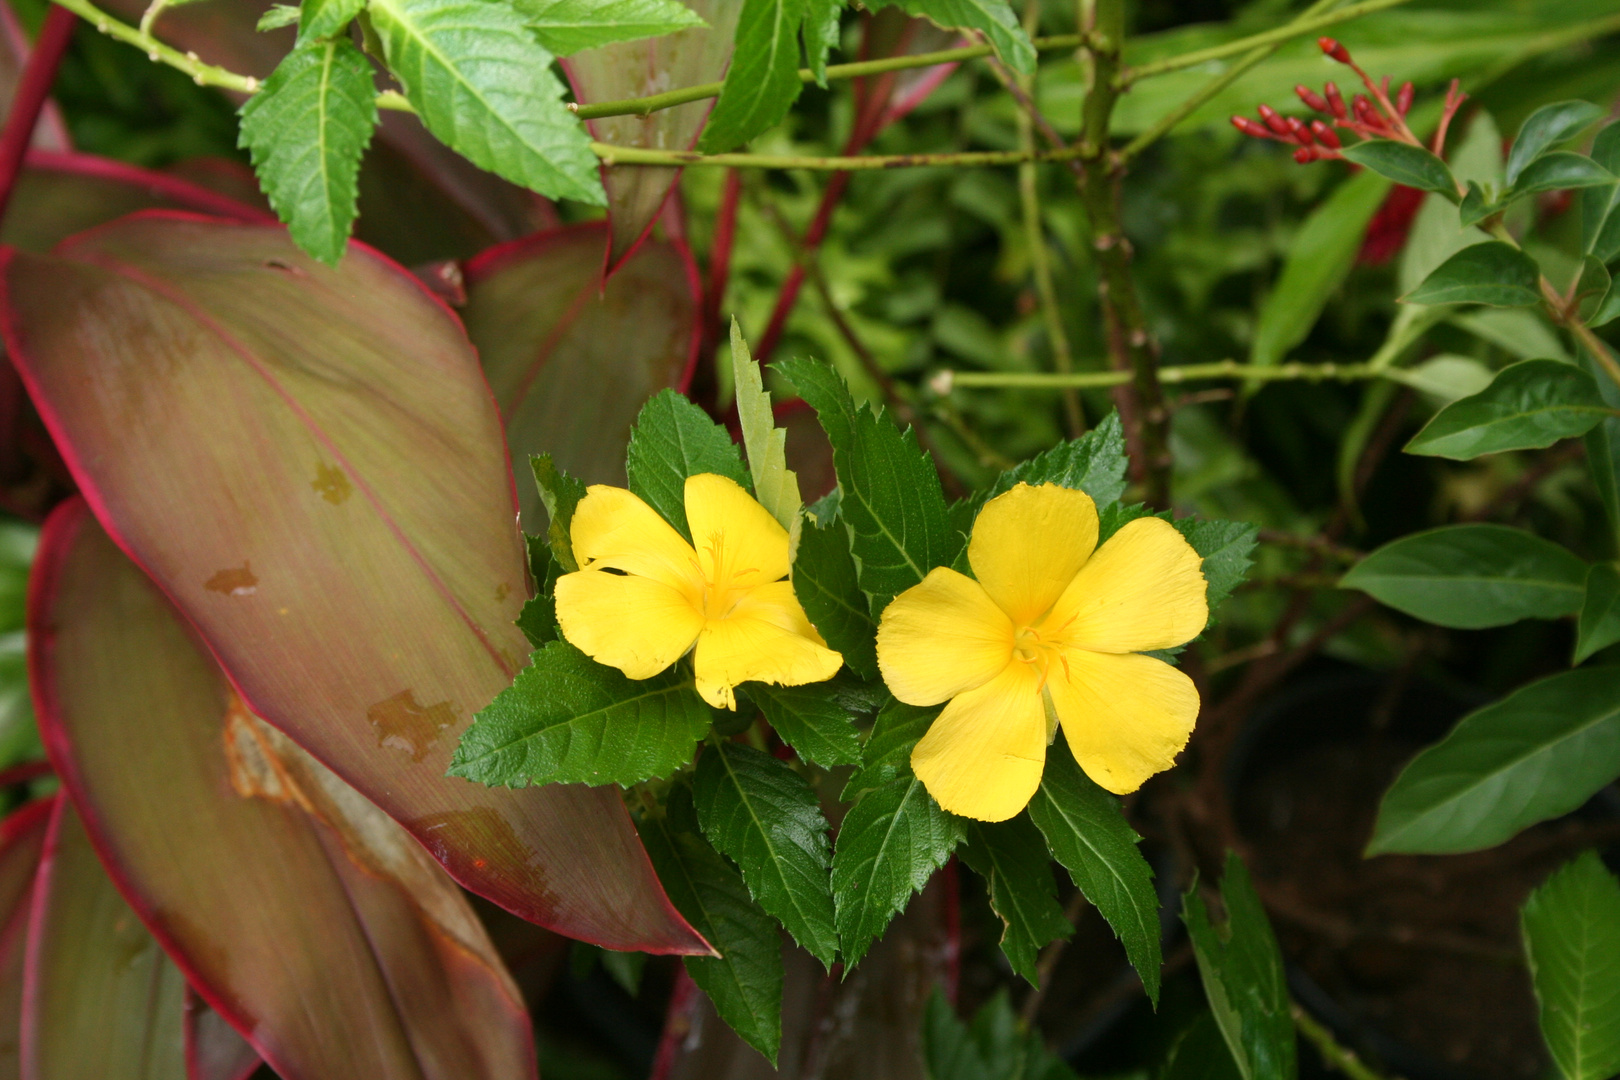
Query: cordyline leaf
x,y
214,1049
22,842
571,361
372,614
775,486
50,133
300,911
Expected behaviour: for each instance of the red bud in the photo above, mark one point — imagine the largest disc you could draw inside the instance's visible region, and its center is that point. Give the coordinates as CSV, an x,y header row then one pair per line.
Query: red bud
x,y
1403,100
1250,128
1273,121
1336,102
1334,49
1305,155
1325,134
1300,132
1311,98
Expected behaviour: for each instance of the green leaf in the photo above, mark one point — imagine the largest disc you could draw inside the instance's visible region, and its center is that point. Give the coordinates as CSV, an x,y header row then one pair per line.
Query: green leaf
x,y
822,21
307,130
1571,931
326,18
1200,1053
1011,857
1472,576
776,487
810,719
276,16
1405,164
1095,463
993,18
538,619
673,439
892,499
1492,273
568,720
1529,405
887,753
763,82
1537,754
824,579
481,82
745,980
1227,548
1545,128
889,845
1086,832
560,493
1445,378
1599,624
1475,207
1561,171
1592,292
1242,971
995,1046
763,815
1600,206
568,26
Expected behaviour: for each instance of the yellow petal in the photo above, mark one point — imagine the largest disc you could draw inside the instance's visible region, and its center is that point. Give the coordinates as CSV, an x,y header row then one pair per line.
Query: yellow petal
x,y
613,528
1124,717
635,624
982,758
1142,590
739,544
766,638
1028,544
940,637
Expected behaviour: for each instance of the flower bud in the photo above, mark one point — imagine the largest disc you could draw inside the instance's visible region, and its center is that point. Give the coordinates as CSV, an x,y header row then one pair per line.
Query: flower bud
x,y
1305,155
1325,135
1311,98
1335,102
1334,49
1299,132
1403,100
1274,121
1250,128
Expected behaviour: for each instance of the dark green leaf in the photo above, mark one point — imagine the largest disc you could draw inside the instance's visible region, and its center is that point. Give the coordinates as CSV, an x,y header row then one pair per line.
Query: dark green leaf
x,y
1532,404
1475,207
745,980
1227,548
326,18
538,620
763,815
825,582
1200,1053
994,1047
1242,971
561,494
1600,206
1572,939
949,1050
810,719
1592,292
1561,171
1537,754
887,753
1490,273
1086,832
674,439
1600,611
993,18
1472,576
1547,127
1012,859
821,26
889,845
567,26
763,82
567,719
307,130
1095,463
1603,449
1405,164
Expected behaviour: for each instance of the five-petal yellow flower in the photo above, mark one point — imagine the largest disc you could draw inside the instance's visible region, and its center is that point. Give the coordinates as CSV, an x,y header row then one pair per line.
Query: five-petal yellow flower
x,y
1048,635
643,596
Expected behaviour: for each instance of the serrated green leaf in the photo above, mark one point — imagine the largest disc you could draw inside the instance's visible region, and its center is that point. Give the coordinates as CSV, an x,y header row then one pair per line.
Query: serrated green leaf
x,y
1472,576
1599,623
1405,164
483,85
1227,548
763,81
276,16
892,499
1545,128
775,486
1200,1053
569,720
995,1046
1571,929
993,18
538,620
1537,754
887,753
1600,206
1012,859
821,25
1529,405
560,493
764,817
810,719
1095,463
889,845
673,439
565,27
1242,971
1086,832
1492,273
326,18
745,980
1561,171
307,130
824,580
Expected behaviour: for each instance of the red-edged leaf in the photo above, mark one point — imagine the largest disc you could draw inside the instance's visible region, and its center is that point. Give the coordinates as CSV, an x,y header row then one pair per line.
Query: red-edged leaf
x,y
22,841
881,100
631,69
306,917
214,1049
571,361
49,131
100,998
309,463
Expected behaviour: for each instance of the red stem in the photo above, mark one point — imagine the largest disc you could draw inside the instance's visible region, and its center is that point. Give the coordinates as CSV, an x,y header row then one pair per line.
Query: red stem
x,y
32,89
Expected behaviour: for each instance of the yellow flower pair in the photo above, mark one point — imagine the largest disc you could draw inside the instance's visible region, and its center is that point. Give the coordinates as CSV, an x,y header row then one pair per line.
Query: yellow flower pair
x,y
1048,635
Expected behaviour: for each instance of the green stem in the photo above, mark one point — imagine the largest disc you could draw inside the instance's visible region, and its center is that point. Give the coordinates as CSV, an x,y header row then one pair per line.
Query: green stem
x,y
1334,1055
202,74
1563,313
1220,369
632,155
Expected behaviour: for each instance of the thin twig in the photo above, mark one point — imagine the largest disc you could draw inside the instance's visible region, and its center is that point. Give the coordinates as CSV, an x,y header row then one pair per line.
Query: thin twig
x,y
1334,1055
1219,369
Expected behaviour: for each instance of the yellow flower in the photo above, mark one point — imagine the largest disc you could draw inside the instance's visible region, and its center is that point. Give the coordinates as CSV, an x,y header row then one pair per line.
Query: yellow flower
x,y
643,596
1047,635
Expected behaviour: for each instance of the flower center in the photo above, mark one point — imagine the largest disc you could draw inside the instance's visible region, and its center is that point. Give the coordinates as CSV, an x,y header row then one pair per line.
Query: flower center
x,y
726,584
1029,647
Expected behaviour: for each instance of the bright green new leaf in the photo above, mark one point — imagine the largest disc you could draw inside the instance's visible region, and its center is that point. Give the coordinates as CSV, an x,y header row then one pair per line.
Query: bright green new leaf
x,y
775,485
825,581
887,753
672,440
1571,931
560,493
812,720
307,130
567,26
993,18
763,81
1472,576
1532,404
1600,206
1545,128
568,720
481,83
1445,378
1492,273
1599,623
1405,164
1537,754
1011,857
276,16
1561,171
764,817
326,18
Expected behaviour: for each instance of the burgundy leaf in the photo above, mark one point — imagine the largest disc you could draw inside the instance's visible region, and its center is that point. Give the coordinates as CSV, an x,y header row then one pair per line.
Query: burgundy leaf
x,y
49,131
214,1049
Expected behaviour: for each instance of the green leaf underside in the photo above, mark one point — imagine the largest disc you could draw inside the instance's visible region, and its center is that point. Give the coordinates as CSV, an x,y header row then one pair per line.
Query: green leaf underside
x,y
560,493
1529,405
672,440
567,719
483,85
1537,754
816,725
892,499
565,27
1545,128
326,18
1600,206
1599,624
1012,859
763,82
1492,273
745,981
994,18
775,485
307,130
889,845
1404,164
1086,832
765,818
1242,972
1227,548
825,581
1472,576
1571,931
887,753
